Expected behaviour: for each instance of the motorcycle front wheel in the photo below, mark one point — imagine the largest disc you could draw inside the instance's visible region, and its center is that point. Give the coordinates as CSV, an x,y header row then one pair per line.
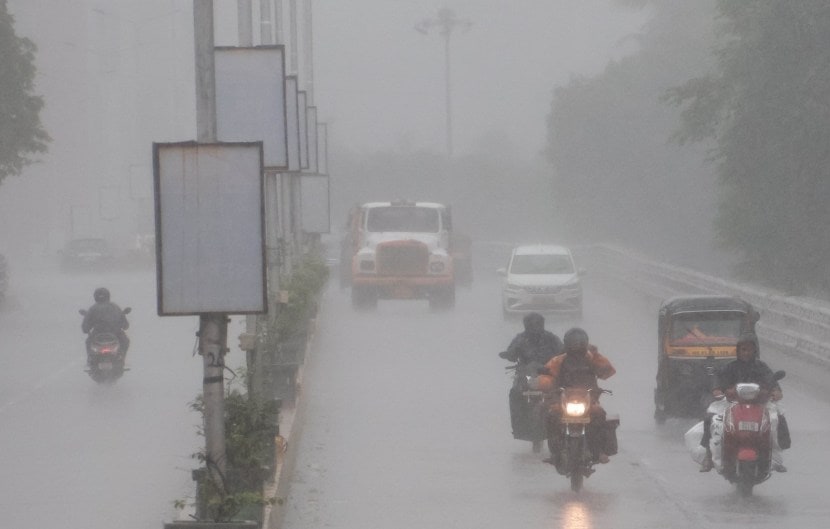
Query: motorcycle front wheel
x,y
575,462
746,477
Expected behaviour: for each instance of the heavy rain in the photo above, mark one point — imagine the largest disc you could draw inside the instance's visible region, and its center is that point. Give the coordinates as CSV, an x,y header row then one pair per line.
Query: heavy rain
x,y
650,167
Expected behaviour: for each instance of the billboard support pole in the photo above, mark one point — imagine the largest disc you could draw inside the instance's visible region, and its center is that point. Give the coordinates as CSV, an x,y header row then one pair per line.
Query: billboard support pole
x,y
213,328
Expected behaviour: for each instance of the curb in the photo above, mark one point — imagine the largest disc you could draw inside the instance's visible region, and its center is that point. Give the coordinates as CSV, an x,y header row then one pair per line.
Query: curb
x,y
291,427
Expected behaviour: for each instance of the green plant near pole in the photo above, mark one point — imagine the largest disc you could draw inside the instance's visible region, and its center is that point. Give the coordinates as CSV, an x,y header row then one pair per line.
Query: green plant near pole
x,y
250,428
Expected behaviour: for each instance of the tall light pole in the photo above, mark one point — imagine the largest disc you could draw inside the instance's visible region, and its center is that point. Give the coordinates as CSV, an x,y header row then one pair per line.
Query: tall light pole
x,y
445,22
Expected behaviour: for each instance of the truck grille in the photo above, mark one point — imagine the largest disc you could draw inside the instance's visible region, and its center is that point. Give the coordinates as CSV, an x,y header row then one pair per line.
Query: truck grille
x,y
402,259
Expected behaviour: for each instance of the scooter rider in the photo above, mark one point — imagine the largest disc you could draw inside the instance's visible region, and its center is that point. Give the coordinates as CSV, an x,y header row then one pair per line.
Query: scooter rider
x,y
746,367
534,345
105,316
581,365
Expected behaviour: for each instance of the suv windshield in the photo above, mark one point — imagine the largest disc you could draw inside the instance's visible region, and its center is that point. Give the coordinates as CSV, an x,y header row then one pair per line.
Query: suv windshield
x,y
700,328
402,218
541,264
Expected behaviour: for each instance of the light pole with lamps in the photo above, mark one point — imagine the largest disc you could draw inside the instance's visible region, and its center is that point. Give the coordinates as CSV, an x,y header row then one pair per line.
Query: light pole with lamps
x,y
445,22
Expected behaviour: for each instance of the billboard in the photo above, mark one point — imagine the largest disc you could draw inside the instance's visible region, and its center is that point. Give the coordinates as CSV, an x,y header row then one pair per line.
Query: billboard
x,y
314,193
250,100
210,231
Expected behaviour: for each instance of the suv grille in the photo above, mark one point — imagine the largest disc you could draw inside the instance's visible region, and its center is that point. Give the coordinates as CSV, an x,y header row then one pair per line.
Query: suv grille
x,y
537,289
402,259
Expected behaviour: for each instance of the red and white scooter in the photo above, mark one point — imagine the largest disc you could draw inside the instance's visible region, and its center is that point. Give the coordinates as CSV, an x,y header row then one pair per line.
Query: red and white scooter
x,y
744,430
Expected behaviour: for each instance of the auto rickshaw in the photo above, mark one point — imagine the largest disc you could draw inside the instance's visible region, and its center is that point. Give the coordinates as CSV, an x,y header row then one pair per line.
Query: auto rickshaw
x,y
696,337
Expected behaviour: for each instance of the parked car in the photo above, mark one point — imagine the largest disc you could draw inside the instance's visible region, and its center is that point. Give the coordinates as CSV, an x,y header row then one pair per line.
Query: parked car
x,y
541,278
86,254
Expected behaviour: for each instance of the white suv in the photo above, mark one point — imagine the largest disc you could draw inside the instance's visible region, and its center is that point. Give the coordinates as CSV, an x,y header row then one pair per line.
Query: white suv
x,y
541,278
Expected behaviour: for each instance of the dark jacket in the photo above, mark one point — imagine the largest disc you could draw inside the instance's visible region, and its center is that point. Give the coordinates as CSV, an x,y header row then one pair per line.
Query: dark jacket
x,y
754,370
105,317
738,371
533,347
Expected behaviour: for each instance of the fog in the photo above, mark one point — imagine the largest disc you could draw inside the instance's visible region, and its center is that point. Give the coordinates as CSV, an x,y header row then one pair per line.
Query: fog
x,y
117,76
533,159
380,83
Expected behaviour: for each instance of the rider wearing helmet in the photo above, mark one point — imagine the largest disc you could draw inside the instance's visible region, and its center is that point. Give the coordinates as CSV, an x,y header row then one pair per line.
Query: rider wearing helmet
x,y
105,316
534,345
747,367
581,365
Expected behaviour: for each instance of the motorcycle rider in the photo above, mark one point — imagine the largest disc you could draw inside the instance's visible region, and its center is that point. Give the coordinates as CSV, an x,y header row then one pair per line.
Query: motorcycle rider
x,y
535,344
746,367
105,316
581,365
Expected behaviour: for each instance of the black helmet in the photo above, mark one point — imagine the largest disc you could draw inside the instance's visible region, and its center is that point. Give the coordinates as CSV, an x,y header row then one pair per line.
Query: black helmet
x,y
575,340
101,295
534,322
749,337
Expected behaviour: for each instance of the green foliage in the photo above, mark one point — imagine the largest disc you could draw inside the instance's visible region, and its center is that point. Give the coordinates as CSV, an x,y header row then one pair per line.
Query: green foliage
x,y
250,428
21,133
765,105
617,178
305,283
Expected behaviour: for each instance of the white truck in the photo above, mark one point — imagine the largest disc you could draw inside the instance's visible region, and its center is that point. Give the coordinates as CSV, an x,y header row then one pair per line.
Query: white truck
x,y
399,250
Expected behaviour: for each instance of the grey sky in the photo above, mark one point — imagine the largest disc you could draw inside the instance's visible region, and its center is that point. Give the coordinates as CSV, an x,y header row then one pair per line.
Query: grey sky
x,y
380,83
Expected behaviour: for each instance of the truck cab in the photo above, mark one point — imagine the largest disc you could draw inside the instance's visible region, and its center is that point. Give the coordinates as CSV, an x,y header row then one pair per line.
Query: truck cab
x,y
400,250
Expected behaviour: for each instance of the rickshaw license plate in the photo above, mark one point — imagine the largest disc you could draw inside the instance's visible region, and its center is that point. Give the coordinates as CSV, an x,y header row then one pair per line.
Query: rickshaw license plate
x,y
105,366
748,426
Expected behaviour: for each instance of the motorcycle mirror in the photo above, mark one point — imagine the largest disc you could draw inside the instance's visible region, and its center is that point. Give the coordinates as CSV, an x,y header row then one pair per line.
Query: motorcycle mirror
x,y
128,310
780,374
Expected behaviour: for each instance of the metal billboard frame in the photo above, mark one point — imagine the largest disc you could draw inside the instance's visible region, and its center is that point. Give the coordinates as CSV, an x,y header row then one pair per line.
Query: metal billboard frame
x,y
210,228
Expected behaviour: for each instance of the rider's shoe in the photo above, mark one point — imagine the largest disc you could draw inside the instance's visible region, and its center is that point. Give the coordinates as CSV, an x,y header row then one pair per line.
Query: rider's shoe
x,y
707,464
779,467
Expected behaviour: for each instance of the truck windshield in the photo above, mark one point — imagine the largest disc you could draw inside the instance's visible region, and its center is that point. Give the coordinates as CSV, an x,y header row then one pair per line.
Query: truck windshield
x,y
403,218
701,328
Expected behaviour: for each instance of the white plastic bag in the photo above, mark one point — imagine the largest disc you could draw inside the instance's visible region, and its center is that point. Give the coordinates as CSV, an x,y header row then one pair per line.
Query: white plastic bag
x,y
692,439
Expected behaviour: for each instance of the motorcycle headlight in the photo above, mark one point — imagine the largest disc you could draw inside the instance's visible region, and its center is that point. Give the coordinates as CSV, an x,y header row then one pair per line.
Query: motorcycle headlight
x,y
575,409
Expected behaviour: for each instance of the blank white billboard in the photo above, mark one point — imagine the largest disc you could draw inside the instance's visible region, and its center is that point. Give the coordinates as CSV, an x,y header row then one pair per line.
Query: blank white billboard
x,y
311,128
293,123
322,148
210,232
303,108
250,99
314,191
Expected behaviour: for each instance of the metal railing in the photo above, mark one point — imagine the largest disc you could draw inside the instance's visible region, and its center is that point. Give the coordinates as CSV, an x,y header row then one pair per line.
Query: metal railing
x,y
793,325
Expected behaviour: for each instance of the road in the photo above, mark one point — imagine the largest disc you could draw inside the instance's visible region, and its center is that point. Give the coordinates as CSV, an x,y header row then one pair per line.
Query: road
x,y
80,455
407,427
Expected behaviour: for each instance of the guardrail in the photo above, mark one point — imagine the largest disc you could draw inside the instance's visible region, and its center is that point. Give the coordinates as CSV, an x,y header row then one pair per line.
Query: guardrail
x,y
793,325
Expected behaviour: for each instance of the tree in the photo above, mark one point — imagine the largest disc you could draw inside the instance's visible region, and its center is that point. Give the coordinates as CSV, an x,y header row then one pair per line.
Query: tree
x,y
617,178
765,105
21,133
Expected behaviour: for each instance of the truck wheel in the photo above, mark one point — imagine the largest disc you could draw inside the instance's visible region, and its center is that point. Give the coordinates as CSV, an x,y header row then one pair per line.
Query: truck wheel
x,y
364,297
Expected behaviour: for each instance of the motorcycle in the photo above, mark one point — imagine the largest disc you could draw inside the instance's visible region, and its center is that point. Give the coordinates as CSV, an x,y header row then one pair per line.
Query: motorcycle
x,y
105,358
568,437
742,433
530,425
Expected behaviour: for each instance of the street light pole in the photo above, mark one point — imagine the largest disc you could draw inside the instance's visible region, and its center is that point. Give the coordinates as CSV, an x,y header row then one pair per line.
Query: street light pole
x,y
446,22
